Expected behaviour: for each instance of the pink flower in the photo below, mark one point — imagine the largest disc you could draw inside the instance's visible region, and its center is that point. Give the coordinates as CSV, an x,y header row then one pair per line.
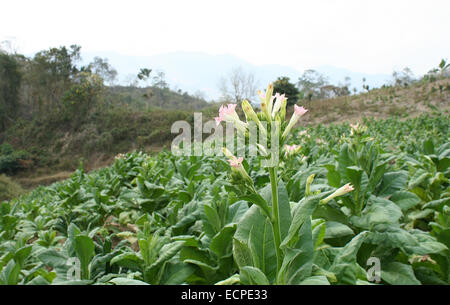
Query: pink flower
x,y
236,162
291,150
299,111
291,147
226,112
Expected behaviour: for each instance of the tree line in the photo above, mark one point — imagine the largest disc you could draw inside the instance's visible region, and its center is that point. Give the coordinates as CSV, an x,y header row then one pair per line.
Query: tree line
x,y
312,85
54,84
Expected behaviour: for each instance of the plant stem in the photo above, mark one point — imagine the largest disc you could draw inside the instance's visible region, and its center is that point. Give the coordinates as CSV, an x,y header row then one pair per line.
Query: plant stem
x,y
276,216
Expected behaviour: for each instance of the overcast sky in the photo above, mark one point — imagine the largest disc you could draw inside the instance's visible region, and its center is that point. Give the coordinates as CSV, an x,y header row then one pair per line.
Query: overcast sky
x,y
364,36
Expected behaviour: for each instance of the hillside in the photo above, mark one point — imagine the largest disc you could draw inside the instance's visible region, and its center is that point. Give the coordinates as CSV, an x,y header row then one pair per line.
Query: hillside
x,y
56,150
395,101
151,98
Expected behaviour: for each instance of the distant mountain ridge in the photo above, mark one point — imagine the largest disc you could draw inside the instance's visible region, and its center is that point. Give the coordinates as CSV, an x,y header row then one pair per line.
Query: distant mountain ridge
x,y
196,71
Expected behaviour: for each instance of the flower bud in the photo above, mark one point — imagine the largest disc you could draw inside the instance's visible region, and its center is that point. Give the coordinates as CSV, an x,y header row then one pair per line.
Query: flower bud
x,y
339,192
309,181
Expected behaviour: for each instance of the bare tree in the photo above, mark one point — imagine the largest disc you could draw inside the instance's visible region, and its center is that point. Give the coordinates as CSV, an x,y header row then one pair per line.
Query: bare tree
x,y
131,80
238,85
159,80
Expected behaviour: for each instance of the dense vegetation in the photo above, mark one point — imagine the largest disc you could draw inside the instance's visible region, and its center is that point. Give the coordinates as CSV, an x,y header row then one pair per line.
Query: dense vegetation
x,y
60,111
56,112
170,220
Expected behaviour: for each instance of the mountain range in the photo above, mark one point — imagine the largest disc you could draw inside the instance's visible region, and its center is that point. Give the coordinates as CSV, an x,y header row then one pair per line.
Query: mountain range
x,y
196,72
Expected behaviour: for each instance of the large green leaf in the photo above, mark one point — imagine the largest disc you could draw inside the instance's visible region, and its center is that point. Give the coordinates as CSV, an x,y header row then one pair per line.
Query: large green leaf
x,y
302,211
254,231
392,182
259,201
297,263
336,230
241,253
252,276
176,273
222,241
21,254
129,260
85,249
213,218
126,281
405,200
315,280
377,211
284,206
344,265
10,274
396,273
334,179
167,252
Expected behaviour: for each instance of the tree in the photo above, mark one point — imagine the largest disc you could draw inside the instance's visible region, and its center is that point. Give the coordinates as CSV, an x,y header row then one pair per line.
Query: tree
x,y
403,78
81,97
283,86
443,70
10,80
102,68
238,85
199,94
310,83
364,85
144,74
159,80
51,73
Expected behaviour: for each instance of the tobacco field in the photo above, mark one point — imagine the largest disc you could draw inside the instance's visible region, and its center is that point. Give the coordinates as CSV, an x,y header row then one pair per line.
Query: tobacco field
x,y
164,219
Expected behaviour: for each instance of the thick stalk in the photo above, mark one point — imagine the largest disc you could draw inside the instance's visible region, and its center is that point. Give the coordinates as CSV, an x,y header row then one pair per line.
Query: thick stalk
x,y
276,216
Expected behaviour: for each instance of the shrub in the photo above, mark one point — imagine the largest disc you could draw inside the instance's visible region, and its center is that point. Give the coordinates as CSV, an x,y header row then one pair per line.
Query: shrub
x,y
13,160
8,188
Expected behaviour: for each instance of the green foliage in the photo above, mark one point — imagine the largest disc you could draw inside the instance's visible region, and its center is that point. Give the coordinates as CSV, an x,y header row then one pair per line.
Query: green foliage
x,y
177,220
10,80
81,97
13,160
8,188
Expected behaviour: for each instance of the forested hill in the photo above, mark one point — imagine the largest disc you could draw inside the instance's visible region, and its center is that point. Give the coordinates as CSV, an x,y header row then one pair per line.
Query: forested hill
x,y
56,113
153,98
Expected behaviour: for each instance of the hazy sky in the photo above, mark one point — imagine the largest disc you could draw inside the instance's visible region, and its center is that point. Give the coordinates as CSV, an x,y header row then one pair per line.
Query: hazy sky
x,y
362,35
